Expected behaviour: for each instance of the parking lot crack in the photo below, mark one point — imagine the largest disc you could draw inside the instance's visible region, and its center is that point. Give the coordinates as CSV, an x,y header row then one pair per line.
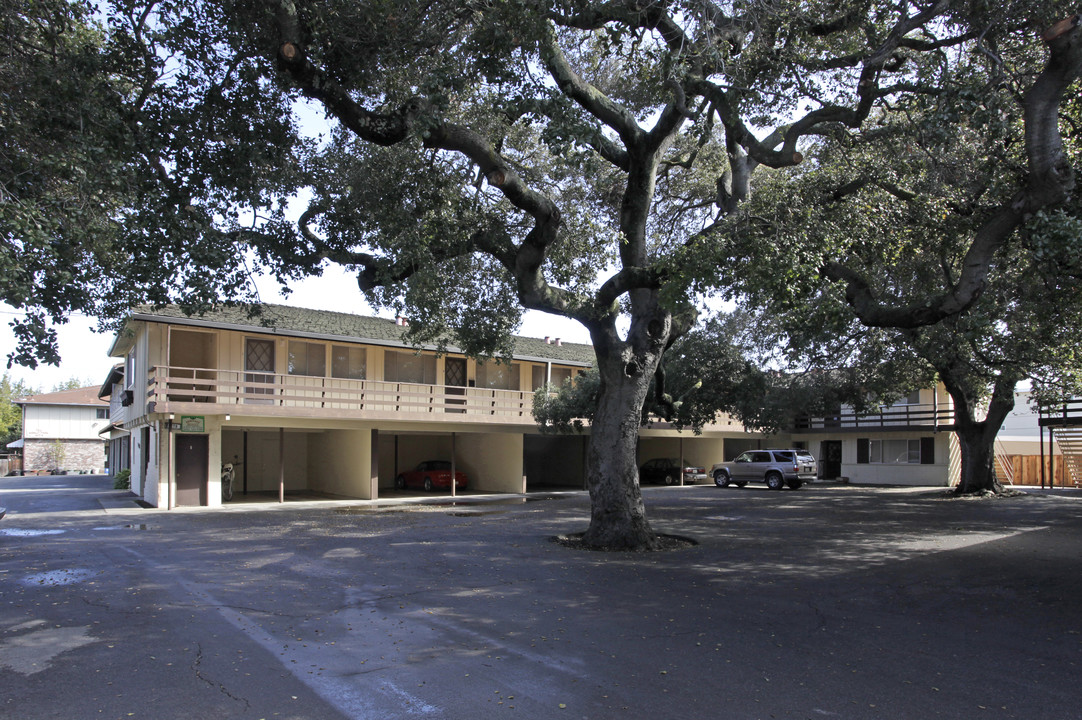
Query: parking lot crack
x,y
197,668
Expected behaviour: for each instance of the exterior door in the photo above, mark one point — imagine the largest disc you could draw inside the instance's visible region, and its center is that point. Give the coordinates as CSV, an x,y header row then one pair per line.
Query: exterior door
x,y
454,380
145,450
192,452
259,368
830,459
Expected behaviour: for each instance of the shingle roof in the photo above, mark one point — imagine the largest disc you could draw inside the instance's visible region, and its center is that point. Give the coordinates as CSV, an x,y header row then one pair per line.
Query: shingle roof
x,y
325,324
79,396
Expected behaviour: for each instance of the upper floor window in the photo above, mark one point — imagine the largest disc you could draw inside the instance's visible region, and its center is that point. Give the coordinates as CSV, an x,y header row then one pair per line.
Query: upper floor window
x,y
912,398
557,376
348,362
409,367
129,369
102,413
306,358
498,376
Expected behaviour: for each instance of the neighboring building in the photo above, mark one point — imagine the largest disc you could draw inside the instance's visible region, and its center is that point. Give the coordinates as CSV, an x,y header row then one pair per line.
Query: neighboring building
x,y
117,439
337,404
60,431
908,443
1038,446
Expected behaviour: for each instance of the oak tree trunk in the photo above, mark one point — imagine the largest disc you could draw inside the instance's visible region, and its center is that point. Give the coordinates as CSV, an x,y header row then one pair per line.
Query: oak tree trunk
x,y
618,517
977,439
978,459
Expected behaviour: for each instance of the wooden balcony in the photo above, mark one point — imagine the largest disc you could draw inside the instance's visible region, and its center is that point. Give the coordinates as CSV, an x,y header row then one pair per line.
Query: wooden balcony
x,y
894,418
1067,414
202,391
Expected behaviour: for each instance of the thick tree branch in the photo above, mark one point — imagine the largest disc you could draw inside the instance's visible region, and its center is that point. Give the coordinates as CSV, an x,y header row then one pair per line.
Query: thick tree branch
x,y
644,14
1050,181
380,128
586,95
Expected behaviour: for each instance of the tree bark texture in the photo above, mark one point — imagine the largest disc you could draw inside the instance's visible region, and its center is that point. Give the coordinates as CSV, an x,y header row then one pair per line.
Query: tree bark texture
x,y
977,439
978,459
618,517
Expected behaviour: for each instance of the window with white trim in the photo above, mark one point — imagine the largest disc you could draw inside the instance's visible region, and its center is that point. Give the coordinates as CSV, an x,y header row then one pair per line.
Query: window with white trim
x,y
894,451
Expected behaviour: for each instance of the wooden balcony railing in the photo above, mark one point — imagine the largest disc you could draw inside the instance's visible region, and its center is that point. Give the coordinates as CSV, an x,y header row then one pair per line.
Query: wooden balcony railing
x,y
253,393
895,417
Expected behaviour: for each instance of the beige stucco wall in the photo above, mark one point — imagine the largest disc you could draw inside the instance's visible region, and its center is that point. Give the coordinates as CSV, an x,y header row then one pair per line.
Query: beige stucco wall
x,y
340,462
697,451
493,460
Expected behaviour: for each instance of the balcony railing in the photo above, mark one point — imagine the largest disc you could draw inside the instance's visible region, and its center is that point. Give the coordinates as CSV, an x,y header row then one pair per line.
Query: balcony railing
x,y
173,388
1067,414
894,417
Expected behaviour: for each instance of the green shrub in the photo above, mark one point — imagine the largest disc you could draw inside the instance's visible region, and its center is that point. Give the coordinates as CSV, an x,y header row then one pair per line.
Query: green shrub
x,y
122,480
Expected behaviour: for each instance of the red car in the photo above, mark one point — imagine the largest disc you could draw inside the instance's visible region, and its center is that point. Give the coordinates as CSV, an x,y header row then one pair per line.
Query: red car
x,y
431,474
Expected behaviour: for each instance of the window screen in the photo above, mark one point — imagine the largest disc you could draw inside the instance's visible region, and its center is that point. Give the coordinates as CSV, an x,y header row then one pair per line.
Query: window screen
x,y
409,367
307,358
349,362
498,376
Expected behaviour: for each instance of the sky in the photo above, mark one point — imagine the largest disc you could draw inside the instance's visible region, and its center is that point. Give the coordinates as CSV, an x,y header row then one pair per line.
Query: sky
x,y
84,352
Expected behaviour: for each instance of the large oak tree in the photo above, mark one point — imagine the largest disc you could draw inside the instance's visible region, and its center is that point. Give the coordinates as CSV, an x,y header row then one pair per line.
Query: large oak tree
x,y
586,159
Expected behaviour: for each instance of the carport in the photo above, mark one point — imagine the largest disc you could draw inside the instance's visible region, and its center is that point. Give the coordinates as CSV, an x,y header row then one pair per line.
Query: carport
x,y
554,462
491,460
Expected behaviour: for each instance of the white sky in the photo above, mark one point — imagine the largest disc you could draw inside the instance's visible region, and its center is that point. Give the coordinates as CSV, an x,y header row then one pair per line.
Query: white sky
x,y
83,351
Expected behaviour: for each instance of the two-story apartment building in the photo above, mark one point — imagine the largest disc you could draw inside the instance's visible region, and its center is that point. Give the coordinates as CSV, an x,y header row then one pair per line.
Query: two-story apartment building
x,y
339,405
117,439
910,442
61,431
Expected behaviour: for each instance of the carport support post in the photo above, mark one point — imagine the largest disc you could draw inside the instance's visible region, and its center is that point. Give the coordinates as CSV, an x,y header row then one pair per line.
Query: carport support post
x,y
682,462
1040,444
281,465
169,464
453,483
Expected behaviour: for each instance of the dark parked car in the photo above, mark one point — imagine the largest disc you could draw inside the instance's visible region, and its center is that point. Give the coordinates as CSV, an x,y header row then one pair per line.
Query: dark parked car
x,y
430,475
777,468
667,470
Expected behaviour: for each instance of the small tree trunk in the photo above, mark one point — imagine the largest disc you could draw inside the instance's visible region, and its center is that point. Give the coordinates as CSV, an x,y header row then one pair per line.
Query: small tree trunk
x,y
618,517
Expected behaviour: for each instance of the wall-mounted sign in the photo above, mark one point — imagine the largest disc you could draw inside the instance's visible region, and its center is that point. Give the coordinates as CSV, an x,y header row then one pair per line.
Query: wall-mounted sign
x,y
191,423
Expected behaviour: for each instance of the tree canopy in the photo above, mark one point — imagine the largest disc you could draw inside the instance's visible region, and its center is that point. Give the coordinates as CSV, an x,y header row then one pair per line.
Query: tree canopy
x,y
11,416
593,160
943,169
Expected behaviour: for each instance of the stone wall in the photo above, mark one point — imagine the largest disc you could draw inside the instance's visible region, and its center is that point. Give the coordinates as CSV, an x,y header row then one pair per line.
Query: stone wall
x,y
79,455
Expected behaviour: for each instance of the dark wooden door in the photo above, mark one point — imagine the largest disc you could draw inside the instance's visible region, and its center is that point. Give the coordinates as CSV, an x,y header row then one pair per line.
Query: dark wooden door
x,y
192,453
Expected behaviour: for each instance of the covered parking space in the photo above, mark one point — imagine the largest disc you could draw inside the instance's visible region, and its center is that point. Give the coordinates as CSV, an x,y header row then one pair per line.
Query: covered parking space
x,y
492,460
554,462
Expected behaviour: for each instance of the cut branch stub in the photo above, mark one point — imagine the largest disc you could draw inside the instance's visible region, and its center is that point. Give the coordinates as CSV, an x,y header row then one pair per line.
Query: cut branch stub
x,y
1063,26
289,51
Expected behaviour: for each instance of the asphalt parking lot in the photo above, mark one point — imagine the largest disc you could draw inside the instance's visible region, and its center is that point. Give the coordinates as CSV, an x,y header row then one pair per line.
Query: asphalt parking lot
x,y
827,602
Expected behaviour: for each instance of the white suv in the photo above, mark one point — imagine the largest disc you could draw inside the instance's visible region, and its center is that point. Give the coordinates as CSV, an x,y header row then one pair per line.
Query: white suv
x,y
777,468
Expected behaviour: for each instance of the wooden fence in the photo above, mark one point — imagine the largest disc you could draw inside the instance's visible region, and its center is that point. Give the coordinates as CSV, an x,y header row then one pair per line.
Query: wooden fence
x,y
1027,470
